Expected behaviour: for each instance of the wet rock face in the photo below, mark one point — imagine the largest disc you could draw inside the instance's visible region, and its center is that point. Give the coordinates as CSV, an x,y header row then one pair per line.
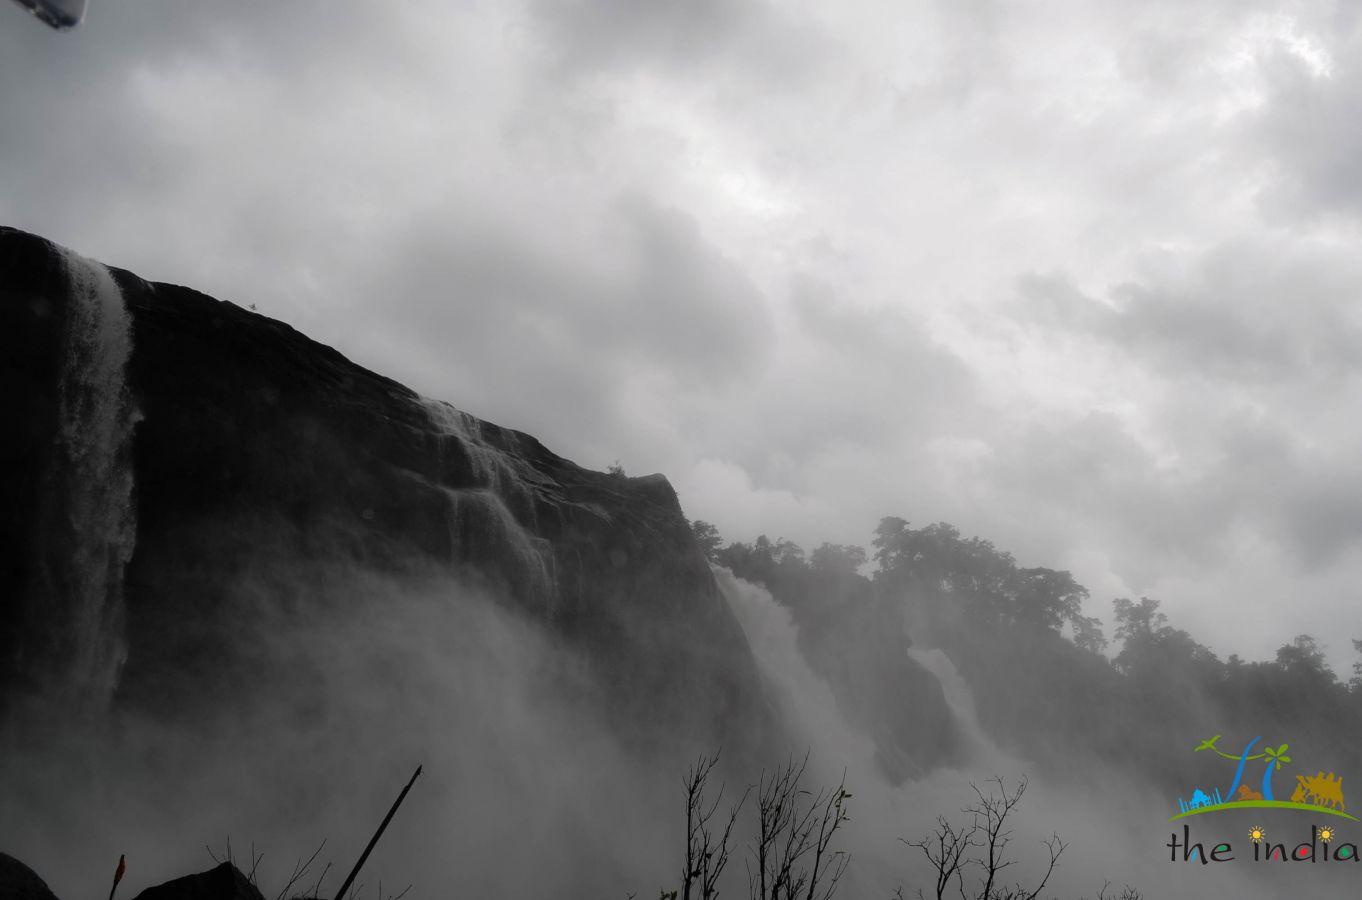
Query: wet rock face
x,y
30,366
264,464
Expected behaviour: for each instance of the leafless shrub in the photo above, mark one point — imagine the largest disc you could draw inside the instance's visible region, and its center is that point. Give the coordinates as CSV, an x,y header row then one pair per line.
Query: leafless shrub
x,y
793,855
973,855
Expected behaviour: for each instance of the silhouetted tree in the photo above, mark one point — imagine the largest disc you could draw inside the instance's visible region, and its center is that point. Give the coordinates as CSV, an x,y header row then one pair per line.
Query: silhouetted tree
x,y
837,558
983,583
1153,649
972,856
707,849
1046,597
1303,661
787,553
793,856
707,536
1356,681
1088,634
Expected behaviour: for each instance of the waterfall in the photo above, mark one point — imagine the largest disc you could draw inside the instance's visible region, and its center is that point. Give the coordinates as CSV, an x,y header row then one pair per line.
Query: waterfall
x,y
806,698
87,525
978,747
881,812
488,520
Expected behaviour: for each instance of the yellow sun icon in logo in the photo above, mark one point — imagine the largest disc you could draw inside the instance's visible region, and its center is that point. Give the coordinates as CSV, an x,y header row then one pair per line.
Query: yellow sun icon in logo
x,y
1326,834
1256,833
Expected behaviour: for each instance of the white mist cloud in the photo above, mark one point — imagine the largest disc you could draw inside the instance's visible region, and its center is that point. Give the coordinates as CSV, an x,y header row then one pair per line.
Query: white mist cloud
x,y
524,787
1114,827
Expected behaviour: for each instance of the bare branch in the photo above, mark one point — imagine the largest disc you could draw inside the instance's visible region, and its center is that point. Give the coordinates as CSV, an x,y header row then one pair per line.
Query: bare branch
x,y
981,844
707,851
300,869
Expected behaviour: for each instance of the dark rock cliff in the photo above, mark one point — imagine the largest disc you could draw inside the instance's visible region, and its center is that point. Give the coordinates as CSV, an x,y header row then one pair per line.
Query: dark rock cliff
x,y
173,465
260,457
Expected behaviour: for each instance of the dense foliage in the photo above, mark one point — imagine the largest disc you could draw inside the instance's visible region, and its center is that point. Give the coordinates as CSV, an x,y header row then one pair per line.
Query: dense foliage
x,y
1046,682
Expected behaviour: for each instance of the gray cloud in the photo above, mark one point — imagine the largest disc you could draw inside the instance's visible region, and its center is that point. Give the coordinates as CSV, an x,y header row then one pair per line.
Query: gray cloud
x,y
1078,278
745,40
1246,312
1309,127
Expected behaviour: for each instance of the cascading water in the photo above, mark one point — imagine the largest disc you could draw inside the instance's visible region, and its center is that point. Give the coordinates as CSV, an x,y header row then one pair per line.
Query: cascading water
x,y
978,747
817,726
809,705
486,520
87,526
881,812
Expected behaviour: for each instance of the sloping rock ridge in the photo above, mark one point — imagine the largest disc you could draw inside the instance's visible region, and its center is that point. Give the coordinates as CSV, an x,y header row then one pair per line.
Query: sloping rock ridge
x,y
224,882
172,464
177,447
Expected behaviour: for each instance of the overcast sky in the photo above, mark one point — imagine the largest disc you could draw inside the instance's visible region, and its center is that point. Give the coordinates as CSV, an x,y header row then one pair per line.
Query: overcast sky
x,y
1076,277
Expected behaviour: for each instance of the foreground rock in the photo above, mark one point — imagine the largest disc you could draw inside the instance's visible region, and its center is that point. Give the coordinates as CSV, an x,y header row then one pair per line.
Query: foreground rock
x,y
226,882
19,882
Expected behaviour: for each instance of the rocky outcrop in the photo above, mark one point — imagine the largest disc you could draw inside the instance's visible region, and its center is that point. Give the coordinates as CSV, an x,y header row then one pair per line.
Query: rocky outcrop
x,y
261,459
224,882
19,882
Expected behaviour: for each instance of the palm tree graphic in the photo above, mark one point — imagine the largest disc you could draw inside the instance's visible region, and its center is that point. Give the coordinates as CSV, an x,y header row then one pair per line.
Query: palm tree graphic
x,y
1275,758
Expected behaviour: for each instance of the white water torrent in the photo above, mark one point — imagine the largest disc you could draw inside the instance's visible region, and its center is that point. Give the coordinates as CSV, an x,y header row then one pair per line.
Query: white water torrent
x,y
88,521
979,748
1105,846
810,704
485,521
806,698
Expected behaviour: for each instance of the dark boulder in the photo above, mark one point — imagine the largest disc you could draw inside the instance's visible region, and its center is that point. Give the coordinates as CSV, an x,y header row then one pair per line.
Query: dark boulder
x,y
19,882
225,882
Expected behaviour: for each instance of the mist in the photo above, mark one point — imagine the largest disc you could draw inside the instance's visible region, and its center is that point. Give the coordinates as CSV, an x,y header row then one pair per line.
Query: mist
x,y
469,356
522,785
525,788
1102,848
